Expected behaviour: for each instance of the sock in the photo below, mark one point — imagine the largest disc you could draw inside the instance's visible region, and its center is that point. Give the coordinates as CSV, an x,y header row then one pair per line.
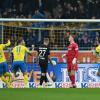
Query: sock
x,y
46,79
72,78
25,80
42,79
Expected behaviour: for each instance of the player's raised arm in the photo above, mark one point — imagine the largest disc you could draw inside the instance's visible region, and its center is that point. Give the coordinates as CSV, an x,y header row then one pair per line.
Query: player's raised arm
x,y
7,44
28,51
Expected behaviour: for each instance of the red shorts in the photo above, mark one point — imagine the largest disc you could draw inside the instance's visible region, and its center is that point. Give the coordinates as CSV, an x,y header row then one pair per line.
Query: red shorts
x,y
70,66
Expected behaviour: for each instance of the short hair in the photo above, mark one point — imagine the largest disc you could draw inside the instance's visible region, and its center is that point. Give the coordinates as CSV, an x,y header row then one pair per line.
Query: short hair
x,y
46,39
19,40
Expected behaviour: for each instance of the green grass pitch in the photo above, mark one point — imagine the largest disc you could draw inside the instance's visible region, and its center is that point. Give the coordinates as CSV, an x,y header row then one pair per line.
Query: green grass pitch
x,y
50,94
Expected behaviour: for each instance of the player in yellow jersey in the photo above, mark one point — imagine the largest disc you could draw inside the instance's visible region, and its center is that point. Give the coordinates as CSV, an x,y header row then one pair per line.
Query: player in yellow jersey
x,y
4,71
19,52
97,53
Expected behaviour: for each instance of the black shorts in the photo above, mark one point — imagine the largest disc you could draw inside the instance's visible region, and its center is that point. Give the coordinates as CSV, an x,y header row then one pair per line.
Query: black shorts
x,y
43,66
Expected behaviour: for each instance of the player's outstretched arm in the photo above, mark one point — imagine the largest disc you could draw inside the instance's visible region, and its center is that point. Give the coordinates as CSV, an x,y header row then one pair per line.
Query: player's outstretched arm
x,y
30,52
8,43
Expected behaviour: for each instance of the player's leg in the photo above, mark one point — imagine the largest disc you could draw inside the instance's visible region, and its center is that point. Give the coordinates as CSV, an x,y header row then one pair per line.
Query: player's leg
x,y
1,73
7,73
6,77
71,72
72,78
23,69
43,74
14,69
45,71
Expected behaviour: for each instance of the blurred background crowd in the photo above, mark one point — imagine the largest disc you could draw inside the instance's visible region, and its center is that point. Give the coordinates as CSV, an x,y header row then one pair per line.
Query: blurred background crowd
x,y
75,9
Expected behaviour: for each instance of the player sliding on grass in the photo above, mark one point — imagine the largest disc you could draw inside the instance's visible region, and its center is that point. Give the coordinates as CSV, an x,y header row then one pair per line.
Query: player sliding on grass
x,y
71,58
18,53
97,53
4,71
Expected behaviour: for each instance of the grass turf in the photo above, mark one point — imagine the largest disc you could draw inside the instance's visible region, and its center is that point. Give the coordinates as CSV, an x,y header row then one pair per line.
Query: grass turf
x,y
49,94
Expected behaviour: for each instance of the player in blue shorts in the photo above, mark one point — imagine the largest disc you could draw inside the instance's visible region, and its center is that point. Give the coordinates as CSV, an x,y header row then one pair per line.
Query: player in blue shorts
x,y
4,71
18,53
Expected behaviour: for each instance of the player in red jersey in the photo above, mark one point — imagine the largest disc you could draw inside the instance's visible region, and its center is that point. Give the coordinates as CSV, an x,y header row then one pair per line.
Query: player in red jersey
x,y
71,59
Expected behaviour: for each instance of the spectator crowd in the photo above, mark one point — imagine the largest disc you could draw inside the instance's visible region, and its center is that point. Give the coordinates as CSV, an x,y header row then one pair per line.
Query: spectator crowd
x,y
63,9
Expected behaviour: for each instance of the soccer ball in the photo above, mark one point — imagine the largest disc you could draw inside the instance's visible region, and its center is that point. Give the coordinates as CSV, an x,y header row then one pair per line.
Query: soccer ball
x,y
54,63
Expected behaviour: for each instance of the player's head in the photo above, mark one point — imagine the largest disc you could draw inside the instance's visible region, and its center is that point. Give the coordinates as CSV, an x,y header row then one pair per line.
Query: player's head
x,y
71,38
46,41
21,41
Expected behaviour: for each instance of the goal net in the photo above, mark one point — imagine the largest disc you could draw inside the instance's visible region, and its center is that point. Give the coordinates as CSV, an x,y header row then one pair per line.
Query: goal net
x,y
33,31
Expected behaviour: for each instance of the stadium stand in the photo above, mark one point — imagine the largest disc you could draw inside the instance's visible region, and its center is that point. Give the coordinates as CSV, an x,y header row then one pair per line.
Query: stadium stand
x,y
75,9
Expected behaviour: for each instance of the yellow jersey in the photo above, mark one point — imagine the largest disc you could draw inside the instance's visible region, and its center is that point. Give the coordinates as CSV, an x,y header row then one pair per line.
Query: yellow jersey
x,y
2,56
98,53
19,52
98,49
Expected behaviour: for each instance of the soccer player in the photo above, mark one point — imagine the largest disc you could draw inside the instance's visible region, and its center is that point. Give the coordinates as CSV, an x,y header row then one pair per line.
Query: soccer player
x,y
4,71
97,53
43,54
18,53
71,59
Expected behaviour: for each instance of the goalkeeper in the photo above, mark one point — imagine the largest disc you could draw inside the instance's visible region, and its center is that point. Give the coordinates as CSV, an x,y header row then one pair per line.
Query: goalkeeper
x,y
97,53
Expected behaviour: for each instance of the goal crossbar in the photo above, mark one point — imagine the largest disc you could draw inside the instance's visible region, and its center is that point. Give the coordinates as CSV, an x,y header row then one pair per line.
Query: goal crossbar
x,y
48,20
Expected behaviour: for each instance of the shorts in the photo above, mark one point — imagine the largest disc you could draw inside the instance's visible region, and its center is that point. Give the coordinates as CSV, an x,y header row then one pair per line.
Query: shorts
x,y
43,66
19,65
70,66
3,68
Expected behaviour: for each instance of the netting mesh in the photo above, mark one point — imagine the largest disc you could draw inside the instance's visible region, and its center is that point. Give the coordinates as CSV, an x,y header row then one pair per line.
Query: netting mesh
x,y
86,34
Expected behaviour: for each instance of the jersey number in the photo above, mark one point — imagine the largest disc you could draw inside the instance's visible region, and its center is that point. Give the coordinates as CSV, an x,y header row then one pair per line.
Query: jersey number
x,y
18,49
42,53
0,55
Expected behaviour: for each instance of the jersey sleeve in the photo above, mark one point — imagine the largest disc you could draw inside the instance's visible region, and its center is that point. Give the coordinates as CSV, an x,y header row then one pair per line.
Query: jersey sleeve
x,y
27,50
76,50
8,43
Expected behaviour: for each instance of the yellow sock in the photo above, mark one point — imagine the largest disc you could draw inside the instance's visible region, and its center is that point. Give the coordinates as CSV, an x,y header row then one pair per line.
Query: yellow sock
x,y
6,81
25,81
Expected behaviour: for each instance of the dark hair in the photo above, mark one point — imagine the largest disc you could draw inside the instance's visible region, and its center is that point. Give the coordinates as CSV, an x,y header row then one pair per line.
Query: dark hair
x,y
19,40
